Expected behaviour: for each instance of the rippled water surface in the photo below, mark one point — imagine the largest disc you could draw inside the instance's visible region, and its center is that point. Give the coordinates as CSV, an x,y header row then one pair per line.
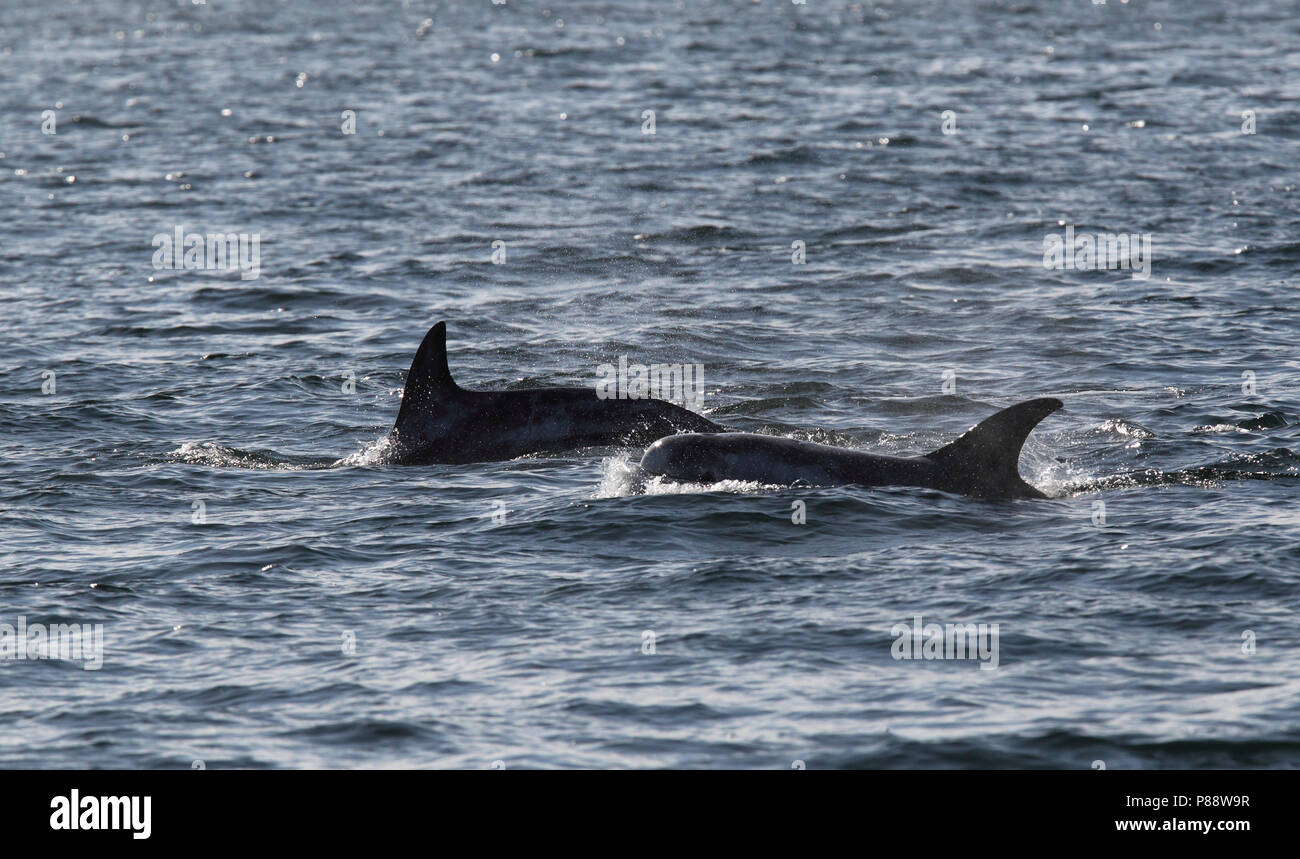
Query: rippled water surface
x,y
189,457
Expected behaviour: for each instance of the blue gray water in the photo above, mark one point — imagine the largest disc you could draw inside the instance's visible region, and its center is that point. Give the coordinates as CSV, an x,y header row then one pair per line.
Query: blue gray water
x,y
332,611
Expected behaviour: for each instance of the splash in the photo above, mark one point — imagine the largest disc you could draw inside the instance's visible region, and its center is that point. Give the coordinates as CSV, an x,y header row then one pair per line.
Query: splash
x,y
1119,428
621,477
375,453
1053,476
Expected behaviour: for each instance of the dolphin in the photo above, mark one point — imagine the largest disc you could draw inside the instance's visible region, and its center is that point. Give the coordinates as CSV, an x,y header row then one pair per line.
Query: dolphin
x,y
441,422
984,462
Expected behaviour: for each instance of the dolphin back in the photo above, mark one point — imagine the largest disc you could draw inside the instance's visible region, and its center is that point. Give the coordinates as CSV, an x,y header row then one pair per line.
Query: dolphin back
x,y
985,461
441,422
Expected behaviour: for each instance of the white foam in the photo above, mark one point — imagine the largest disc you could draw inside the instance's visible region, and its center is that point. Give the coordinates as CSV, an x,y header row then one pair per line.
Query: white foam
x,y
621,477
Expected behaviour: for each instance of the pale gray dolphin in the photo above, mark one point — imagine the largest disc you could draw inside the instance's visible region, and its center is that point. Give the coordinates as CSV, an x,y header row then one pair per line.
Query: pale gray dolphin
x,y
441,422
984,462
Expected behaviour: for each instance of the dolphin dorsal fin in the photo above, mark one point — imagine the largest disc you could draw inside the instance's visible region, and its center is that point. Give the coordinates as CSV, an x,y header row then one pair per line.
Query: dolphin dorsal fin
x,y
429,378
986,459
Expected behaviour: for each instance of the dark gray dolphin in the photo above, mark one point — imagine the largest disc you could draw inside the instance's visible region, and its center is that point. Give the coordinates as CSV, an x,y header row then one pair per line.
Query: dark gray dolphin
x,y
984,462
441,422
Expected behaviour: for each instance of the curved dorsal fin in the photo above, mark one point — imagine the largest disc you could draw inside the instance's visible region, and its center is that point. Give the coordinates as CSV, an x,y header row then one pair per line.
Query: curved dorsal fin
x,y
986,459
429,378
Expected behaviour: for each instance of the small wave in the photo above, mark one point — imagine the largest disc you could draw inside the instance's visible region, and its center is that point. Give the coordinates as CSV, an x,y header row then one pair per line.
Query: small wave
x,y
208,453
96,122
221,456
1265,420
695,234
1212,428
789,155
1279,464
